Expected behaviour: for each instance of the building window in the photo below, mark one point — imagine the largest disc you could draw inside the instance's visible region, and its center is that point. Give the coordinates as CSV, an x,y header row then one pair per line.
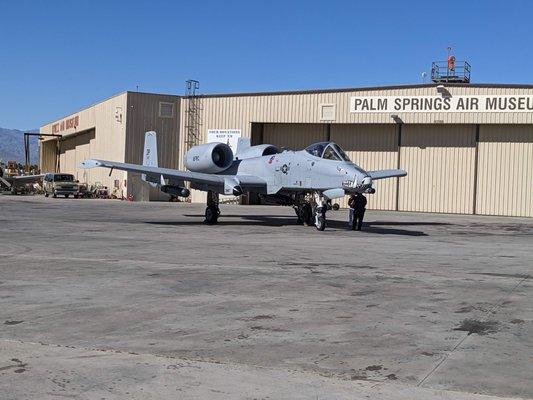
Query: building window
x,y
118,114
166,110
327,112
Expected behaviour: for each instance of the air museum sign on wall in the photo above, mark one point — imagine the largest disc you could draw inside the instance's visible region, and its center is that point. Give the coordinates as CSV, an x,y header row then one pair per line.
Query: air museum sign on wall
x,y
438,103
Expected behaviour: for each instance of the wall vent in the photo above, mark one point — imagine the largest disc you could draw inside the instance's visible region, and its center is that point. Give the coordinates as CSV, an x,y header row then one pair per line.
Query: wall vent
x,y
327,112
166,110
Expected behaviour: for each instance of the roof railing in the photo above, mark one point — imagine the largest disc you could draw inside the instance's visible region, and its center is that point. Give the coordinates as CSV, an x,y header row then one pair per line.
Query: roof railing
x,y
443,72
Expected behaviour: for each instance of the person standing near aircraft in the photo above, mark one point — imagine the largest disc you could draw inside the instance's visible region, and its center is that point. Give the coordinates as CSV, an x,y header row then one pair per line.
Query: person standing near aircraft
x,y
357,204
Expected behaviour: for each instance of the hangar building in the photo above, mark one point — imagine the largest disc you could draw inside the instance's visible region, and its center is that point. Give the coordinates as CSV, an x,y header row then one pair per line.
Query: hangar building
x,y
467,148
113,129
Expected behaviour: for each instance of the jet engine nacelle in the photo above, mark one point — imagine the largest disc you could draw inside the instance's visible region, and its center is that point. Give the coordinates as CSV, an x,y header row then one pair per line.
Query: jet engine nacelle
x,y
209,158
258,151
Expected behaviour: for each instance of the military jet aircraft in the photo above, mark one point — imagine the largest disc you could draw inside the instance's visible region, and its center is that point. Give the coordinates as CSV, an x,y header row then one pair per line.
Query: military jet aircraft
x,y
306,179
17,184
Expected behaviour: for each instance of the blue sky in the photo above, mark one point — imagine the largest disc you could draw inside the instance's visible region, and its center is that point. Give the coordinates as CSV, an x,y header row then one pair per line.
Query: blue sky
x,y
59,56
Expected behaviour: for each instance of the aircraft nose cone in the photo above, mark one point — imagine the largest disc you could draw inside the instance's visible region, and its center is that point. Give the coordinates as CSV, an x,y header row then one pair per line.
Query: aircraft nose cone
x,y
367,181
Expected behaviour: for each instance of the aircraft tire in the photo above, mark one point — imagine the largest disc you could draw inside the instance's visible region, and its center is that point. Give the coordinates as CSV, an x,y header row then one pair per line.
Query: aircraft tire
x,y
307,214
320,224
211,215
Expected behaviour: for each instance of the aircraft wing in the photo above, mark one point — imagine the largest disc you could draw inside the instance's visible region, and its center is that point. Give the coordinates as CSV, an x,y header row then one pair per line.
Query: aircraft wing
x,y
154,174
23,179
387,173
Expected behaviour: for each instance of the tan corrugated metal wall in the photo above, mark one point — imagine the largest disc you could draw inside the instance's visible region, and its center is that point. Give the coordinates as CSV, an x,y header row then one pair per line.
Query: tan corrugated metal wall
x,y
83,151
440,162
106,121
294,136
67,156
238,112
143,115
73,151
505,170
371,147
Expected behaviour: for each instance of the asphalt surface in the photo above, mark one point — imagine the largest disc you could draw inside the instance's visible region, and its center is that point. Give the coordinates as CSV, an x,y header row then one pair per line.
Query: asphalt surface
x,y
116,300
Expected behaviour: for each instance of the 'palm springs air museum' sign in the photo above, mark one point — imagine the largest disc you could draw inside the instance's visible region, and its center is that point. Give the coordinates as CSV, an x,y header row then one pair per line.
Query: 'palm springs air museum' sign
x,y
470,103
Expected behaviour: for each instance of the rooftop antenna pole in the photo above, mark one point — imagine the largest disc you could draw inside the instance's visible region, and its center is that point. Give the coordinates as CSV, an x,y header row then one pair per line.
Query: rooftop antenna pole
x,y
193,120
448,60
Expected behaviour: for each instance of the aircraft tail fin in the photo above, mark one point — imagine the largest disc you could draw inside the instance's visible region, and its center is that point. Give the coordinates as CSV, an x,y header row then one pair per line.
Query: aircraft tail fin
x,y
150,152
243,144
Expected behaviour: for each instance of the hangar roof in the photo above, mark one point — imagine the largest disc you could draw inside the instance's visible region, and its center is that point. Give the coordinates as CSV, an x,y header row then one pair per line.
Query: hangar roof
x,y
310,91
367,88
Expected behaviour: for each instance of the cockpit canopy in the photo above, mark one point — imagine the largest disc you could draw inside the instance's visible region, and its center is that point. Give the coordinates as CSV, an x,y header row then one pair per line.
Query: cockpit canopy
x,y
328,151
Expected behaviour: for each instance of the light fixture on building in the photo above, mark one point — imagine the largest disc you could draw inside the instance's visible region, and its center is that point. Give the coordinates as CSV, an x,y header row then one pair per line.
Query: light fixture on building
x,y
396,118
441,89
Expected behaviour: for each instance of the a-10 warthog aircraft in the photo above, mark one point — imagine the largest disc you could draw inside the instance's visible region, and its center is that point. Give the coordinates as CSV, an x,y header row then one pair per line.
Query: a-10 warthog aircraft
x,y
307,179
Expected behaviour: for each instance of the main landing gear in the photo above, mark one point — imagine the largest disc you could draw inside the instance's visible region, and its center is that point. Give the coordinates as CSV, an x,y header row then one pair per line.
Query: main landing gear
x,y
304,213
212,212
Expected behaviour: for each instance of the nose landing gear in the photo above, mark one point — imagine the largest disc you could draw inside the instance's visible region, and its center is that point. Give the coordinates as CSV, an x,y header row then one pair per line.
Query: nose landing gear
x,y
212,212
320,211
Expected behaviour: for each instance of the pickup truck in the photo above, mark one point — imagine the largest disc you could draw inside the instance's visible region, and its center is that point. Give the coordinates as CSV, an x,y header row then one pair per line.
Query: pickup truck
x,y
60,185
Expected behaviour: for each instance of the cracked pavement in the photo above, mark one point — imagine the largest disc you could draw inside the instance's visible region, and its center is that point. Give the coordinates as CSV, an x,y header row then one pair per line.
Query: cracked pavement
x,y
109,299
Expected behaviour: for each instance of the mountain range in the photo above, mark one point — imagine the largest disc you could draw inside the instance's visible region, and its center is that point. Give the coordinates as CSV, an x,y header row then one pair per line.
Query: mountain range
x,y
12,146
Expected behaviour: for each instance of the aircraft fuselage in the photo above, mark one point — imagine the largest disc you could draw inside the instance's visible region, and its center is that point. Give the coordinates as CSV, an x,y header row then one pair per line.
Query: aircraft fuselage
x,y
301,171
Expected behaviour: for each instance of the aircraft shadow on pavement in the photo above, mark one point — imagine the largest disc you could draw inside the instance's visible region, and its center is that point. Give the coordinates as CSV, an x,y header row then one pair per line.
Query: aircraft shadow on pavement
x,y
282,220
407,223
244,220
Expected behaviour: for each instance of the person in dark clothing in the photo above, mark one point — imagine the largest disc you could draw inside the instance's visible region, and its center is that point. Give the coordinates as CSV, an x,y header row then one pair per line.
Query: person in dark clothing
x,y
357,204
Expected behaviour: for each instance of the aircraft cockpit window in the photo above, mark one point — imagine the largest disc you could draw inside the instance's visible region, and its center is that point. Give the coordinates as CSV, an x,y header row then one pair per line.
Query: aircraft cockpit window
x,y
327,151
341,152
316,149
330,154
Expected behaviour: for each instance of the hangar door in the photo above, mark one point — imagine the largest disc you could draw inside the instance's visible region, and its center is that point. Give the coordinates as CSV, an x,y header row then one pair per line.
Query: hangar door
x,y
287,136
48,155
439,161
294,136
505,170
371,147
73,150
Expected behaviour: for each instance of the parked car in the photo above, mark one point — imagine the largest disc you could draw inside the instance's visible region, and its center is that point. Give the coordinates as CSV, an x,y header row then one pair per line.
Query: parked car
x,y
60,185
